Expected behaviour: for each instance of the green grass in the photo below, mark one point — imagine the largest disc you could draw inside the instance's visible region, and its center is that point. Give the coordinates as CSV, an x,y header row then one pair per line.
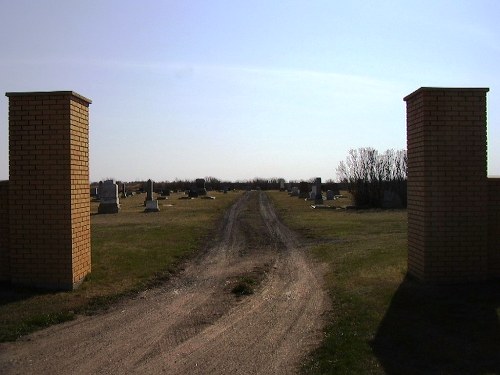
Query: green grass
x,y
381,320
131,251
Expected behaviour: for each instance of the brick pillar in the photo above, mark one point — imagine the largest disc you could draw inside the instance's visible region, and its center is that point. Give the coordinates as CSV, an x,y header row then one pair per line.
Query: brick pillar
x,y
49,203
494,228
4,231
447,184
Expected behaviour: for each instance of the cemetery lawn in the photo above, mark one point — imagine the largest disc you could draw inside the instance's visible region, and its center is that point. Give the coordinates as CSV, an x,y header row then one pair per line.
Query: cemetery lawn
x,y
382,321
131,251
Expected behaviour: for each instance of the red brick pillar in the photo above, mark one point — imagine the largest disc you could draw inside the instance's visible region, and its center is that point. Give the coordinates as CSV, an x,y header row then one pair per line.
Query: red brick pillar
x,y
447,184
49,202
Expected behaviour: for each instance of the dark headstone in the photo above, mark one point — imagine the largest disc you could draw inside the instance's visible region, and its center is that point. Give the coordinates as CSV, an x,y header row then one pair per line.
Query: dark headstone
x,y
200,186
149,190
330,195
318,195
150,203
108,194
304,190
99,189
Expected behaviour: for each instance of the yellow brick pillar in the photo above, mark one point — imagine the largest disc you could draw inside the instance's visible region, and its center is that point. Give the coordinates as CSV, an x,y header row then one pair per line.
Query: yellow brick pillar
x,y
447,184
49,202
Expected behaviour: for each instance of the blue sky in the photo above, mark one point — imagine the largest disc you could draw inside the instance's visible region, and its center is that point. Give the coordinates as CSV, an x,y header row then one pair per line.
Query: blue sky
x,y
244,89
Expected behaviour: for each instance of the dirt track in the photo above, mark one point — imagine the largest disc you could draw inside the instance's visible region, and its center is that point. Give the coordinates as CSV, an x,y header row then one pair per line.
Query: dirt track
x,y
194,324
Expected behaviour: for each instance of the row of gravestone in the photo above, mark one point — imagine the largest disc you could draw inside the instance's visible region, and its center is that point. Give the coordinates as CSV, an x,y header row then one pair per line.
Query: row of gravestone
x,y
109,202
104,191
305,191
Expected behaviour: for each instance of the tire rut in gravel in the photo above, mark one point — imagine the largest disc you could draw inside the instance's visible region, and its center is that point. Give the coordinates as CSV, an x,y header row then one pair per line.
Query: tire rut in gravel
x,y
193,324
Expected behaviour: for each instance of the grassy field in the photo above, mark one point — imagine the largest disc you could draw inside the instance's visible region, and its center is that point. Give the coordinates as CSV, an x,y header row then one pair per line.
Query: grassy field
x,y
131,251
381,320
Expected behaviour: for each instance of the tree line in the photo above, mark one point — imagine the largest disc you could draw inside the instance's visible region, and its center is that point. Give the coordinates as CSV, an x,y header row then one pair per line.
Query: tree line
x,y
372,176
215,184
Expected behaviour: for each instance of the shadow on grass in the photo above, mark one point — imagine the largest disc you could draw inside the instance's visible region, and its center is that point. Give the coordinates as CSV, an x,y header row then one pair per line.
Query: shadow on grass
x,y
441,330
15,322
12,293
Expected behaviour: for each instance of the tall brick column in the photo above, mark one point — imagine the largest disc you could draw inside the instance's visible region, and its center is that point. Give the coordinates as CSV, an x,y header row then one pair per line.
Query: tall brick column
x,y
49,202
447,184
4,232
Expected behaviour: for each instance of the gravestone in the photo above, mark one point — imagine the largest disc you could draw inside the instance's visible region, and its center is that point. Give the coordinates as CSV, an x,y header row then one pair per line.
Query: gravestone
x,y
99,190
192,192
312,194
294,192
282,184
150,203
164,193
108,195
304,190
318,196
330,195
200,186
122,189
149,190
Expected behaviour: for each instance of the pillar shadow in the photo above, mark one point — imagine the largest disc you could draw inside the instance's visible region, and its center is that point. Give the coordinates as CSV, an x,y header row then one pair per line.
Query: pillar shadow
x,y
12,293
441,330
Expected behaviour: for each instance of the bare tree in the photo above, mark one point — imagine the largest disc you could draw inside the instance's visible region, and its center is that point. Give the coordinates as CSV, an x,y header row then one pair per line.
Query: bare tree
x,y
370,174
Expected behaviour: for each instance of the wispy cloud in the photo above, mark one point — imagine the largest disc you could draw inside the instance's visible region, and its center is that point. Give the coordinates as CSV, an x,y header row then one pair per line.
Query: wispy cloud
x,y
296,75
181,69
